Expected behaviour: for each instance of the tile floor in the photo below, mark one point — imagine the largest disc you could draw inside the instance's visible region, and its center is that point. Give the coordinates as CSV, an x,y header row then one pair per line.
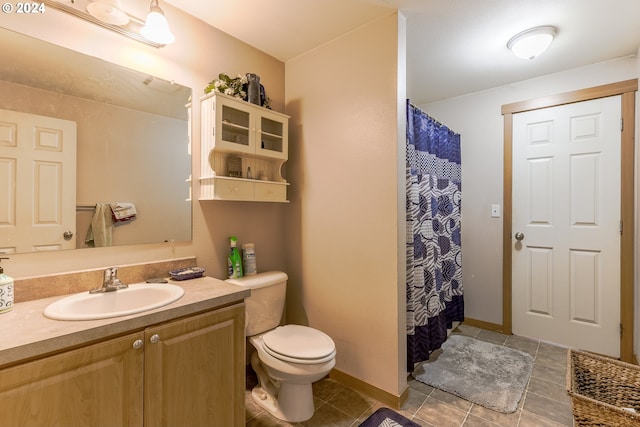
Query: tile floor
x,y
545,402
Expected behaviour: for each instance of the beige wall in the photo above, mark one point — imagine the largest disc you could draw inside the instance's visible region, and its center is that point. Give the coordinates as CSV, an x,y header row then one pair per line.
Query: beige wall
x,y
342,224
478,119
198,56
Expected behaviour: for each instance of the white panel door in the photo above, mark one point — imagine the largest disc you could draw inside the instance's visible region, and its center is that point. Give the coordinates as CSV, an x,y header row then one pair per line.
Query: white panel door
x,y
566,224
37,183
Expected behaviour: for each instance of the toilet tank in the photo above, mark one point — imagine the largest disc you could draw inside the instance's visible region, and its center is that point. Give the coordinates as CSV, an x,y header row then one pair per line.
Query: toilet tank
x,y
265,305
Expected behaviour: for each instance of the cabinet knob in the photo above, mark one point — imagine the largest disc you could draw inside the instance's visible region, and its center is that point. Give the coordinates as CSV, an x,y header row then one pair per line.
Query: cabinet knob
x,y
137,344
154,338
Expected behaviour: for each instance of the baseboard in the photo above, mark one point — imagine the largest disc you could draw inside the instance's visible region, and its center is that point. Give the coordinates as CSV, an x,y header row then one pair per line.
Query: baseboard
x,y
483,325
391,400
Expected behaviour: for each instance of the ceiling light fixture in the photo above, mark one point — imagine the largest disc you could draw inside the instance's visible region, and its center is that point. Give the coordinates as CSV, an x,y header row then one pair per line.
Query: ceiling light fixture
x,y
156,27
532,42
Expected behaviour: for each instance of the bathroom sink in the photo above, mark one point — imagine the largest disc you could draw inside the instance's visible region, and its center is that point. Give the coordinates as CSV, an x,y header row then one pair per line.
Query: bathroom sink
x,y
134,299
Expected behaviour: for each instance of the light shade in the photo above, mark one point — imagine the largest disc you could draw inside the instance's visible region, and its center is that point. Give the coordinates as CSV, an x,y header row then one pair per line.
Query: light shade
x,y
532,42
156,27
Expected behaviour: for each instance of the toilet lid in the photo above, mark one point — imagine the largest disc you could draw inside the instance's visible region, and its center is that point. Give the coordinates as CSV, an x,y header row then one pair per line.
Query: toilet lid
x,y
299,342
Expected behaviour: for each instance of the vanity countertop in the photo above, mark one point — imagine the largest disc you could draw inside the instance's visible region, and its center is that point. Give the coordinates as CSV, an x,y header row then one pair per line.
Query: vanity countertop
x,y
26,333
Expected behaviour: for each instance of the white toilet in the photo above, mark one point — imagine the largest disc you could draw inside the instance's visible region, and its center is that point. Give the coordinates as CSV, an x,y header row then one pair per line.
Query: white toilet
x,y
288,359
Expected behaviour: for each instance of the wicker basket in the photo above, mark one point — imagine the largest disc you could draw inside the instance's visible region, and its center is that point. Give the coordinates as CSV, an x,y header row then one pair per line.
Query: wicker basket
x,y
603,391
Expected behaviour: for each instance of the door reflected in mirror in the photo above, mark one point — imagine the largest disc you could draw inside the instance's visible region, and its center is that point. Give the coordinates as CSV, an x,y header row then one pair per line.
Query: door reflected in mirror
x,y
132,156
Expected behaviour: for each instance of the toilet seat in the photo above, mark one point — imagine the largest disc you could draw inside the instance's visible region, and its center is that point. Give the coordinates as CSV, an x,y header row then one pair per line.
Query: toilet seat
x,y
299,344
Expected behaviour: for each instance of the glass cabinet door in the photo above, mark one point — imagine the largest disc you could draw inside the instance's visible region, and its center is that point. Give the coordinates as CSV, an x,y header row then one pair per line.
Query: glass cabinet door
x,y
236,131
272,136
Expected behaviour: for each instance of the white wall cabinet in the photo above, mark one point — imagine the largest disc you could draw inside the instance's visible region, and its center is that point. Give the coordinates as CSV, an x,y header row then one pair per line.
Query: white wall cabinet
x,y
235,132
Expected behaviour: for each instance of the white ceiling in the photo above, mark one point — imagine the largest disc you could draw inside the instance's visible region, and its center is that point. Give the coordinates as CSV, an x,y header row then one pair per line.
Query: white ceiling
x,y
454,46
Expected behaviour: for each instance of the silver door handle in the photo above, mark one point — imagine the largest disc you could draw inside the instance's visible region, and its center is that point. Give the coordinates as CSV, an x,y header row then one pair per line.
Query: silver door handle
x,y
519,236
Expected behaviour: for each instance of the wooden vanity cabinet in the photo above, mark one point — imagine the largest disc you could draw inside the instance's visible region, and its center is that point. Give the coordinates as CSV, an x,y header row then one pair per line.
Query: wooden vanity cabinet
x,y
194,371
188,371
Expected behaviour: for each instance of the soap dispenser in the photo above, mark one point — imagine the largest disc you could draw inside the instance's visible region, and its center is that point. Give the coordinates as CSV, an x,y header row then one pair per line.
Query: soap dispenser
x,y
6,291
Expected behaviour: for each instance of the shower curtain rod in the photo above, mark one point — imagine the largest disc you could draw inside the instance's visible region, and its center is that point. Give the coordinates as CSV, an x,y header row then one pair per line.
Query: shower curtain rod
x,y
438,122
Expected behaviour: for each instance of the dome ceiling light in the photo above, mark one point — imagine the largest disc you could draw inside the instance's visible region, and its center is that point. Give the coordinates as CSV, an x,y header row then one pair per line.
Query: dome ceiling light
x,y
531,43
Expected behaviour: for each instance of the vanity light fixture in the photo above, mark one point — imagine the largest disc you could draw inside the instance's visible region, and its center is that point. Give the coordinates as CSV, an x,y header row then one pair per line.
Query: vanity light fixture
x,y
531,43
108,14
156,27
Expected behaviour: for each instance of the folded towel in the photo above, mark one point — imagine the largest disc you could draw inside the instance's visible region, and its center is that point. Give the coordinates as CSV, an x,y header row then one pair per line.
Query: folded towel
x,y
123,211
99,233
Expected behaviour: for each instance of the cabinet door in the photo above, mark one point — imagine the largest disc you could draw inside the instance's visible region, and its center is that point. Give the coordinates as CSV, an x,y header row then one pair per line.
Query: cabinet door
x,y
194,371
272,133
236,128
97,385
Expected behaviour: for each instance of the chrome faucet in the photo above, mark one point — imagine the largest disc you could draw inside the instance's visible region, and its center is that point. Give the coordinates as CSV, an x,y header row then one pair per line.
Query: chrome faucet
x,y
110,282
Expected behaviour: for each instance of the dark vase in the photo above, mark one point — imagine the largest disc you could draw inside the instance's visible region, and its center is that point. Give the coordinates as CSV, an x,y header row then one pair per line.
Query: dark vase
x,y
253,91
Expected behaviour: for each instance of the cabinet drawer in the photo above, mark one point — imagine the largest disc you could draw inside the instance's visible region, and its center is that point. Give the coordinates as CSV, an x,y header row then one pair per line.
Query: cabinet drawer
x,y
233,189
270,192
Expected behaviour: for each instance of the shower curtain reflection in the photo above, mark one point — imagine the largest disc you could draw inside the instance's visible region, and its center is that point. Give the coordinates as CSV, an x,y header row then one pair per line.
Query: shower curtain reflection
x,y
434,256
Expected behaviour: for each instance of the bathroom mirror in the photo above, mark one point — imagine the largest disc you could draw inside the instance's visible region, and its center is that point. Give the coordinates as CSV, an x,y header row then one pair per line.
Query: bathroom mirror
x,y
132,137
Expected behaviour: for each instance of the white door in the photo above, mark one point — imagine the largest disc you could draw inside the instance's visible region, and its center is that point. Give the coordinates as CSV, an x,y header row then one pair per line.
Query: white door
x,y
37,183
566,215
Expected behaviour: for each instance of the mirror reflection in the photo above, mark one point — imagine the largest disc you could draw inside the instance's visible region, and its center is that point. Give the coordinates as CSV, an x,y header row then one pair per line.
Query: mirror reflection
x,y
128,179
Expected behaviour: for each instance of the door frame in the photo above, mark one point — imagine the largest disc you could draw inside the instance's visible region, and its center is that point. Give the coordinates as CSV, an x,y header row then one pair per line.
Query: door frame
x,y
627,90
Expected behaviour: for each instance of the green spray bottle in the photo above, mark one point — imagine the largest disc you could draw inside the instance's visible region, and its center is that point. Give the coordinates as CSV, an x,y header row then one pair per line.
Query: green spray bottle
x,y
234,261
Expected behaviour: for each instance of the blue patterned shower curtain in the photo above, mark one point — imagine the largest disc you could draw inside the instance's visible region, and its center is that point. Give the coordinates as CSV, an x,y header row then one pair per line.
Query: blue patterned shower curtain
x,y
434,256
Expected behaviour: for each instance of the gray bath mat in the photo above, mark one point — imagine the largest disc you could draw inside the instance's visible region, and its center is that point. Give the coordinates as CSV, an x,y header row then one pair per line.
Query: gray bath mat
x,y
489,375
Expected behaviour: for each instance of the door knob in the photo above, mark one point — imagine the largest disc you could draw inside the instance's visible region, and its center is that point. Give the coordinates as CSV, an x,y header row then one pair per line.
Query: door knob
x,y
519,236
67,235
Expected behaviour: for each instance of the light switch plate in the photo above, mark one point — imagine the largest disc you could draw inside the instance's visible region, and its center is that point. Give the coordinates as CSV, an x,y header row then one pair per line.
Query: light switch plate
x,y
495,211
